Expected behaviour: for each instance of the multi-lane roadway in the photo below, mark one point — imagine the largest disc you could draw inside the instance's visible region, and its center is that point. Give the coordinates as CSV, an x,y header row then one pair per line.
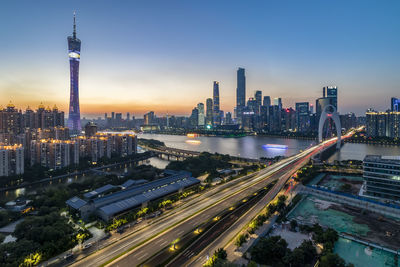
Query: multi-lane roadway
x,y
147,241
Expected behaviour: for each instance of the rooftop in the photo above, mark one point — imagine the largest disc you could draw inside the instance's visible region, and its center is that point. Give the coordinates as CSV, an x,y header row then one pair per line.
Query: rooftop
x,y
382,159
131,182
98,191
135,201
76,203
136,190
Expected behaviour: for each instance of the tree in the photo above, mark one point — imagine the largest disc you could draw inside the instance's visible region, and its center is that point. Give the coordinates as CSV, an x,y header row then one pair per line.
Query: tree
x,y
241,239
309,251
332,260
32,260
295,258
330,235
221,254
269,251
218,259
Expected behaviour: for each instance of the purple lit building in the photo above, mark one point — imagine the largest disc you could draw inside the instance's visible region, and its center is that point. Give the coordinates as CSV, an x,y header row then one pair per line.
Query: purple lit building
x,y
74,53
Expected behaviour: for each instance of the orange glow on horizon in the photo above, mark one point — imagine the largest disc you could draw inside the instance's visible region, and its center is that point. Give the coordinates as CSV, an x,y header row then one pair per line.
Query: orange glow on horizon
x,y
134,109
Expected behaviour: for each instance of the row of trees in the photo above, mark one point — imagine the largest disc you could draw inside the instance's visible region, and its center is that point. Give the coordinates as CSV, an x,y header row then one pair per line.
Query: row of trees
x,y
273,207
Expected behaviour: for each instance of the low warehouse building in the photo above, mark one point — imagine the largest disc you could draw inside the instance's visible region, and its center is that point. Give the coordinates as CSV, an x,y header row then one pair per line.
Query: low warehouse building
x,y
111,205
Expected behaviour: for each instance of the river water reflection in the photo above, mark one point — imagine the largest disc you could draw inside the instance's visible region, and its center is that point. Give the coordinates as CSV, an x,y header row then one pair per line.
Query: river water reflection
x,y
252,146
357,151
247,147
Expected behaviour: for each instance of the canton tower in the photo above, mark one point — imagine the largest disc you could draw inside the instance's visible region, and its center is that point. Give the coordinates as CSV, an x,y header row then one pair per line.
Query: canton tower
x,y
74,53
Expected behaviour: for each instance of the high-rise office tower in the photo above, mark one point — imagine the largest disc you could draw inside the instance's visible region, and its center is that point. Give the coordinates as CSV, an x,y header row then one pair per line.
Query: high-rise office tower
x,y
303,117
216,117
74,53
278,102
258,97
331,93
228,118
240,93
267,101
194,118
200,108
209,111
395,104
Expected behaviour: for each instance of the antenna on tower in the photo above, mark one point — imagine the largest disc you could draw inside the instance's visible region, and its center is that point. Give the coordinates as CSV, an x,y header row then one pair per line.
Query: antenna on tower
x,y
74,33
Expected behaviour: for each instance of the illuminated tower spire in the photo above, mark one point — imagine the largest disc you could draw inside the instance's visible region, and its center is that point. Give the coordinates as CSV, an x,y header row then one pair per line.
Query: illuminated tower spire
x,y
74,33
74,53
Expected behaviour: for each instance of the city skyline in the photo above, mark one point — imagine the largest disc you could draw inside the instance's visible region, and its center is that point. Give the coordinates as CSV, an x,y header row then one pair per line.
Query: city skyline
x,y
158,62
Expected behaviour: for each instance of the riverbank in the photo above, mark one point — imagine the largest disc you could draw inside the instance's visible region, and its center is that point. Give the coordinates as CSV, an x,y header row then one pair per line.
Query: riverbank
x,y
373,142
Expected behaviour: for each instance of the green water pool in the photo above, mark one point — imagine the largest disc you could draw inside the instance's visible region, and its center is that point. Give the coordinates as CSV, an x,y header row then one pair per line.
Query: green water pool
x,y
361,256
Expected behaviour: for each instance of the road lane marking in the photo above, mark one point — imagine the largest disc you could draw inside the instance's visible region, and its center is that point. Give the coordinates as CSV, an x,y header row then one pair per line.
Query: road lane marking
x,y
160,240
141,257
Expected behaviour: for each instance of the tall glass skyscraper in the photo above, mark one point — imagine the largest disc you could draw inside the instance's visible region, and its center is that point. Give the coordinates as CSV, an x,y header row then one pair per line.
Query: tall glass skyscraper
x,y
395,104
209,111
332,94
216,115
240,93
74,53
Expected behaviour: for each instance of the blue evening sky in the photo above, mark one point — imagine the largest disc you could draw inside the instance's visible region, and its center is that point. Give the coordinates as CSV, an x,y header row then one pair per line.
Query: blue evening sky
x,y
139,56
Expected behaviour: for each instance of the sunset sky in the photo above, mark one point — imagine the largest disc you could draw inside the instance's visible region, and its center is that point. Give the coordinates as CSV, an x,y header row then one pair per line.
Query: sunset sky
x,y
139,56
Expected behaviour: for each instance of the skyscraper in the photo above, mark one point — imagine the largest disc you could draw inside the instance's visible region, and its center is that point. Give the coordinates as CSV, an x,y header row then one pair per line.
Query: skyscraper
x,y
209,111
303,117
194,118
267,101
258,97
74,53
278,102
331,93
395,104
240,93
200,108
216,116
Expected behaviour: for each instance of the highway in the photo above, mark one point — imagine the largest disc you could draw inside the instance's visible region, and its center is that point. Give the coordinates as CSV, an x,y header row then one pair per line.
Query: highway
x,y
198,258
150,239
204,201
214,206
